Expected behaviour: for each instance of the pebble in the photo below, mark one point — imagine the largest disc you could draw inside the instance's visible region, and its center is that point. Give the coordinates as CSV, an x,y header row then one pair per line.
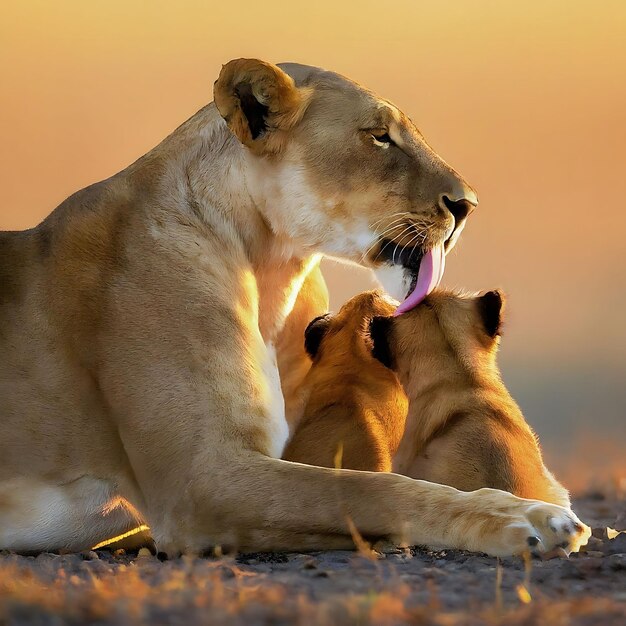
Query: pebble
x,y
616,545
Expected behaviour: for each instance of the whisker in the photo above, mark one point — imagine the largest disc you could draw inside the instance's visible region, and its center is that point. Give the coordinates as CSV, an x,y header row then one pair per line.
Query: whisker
x,y
394,224
415,238
387,231
397,218
403,221
406,229
388,217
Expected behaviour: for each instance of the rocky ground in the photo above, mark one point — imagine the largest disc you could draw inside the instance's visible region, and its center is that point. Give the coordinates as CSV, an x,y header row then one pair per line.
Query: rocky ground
x,y
417,587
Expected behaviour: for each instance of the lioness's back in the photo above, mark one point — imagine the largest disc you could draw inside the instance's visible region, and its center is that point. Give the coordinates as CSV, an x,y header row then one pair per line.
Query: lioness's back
x,y
14,248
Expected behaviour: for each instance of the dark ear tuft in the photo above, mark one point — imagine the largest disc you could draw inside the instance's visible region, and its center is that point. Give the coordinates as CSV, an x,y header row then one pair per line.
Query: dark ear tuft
x,y
254,111
315,332
257,98
490,307
380,329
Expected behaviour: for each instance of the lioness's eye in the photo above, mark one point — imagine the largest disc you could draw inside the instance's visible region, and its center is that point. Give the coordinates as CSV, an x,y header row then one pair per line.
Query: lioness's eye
x,y
383,140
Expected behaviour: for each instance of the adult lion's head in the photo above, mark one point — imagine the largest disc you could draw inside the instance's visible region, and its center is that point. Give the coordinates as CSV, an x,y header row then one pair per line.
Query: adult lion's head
x,y
337,169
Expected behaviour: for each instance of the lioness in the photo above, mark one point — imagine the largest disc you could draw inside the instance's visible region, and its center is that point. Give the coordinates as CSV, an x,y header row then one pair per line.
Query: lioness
x,y
138,326
461,428
354,406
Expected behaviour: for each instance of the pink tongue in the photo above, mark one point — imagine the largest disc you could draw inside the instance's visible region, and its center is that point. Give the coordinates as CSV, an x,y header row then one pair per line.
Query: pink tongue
x,y
428,277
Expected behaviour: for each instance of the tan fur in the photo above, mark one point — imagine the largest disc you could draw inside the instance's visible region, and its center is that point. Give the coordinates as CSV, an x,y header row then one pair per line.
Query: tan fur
x,y
355,407
463,427
138,326
293,361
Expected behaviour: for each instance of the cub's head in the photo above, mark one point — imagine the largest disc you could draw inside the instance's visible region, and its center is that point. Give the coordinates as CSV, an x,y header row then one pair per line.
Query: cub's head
x,y
337,169
343,339
447,335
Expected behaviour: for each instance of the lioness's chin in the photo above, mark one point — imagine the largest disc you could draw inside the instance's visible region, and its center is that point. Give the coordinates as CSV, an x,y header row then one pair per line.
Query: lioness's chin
x,y
396,280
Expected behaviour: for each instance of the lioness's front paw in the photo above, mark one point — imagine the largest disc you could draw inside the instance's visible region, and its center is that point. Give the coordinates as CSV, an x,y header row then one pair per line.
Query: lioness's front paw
x,y
544,528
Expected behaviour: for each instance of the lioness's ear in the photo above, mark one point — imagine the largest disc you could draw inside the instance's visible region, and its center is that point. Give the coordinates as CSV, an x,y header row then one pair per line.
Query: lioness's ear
x,y
490,308
315,332
258,101
380,331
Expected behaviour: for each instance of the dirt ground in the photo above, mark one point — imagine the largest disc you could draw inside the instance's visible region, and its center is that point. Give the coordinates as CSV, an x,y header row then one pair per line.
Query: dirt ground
x,y
335,588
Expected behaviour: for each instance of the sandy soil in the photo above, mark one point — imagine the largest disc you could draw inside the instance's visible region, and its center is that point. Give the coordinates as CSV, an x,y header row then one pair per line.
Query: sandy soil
x,y
416,587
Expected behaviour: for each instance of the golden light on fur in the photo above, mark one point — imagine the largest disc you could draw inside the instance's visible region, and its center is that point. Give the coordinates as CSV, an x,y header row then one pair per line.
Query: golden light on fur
x,y
298,281
112,540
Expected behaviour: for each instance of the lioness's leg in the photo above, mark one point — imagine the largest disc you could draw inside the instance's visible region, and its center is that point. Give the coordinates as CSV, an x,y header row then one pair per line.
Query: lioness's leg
x,y
281,501
36,515
192,389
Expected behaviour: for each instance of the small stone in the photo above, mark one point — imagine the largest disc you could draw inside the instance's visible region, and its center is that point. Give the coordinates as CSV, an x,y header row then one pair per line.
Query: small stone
x,y
144,553
120,552
90,555
616,545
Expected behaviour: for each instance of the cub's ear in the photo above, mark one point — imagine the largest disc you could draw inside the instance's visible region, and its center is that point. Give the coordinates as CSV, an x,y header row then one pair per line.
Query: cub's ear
x,y
490,308
380,330
258,101
315,332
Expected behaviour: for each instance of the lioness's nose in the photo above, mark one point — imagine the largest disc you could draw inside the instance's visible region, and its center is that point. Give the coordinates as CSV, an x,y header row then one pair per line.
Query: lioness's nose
x,y
460,201
460,209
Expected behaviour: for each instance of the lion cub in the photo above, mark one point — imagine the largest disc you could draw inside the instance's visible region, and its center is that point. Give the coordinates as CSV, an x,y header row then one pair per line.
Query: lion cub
x,y
463,428
354,406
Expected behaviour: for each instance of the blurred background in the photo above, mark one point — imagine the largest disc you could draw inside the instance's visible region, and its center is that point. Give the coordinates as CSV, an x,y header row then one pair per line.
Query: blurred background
x,y
527,100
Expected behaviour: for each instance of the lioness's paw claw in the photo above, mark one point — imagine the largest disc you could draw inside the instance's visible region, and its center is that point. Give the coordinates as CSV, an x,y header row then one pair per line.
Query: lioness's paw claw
x,y
554,530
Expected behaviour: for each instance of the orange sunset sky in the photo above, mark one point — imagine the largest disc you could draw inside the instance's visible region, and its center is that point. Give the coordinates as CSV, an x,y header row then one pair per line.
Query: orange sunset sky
x,y
527,100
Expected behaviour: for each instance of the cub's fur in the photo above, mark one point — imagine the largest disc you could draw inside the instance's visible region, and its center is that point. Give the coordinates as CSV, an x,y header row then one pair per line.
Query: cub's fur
x,y
463,427
354,406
